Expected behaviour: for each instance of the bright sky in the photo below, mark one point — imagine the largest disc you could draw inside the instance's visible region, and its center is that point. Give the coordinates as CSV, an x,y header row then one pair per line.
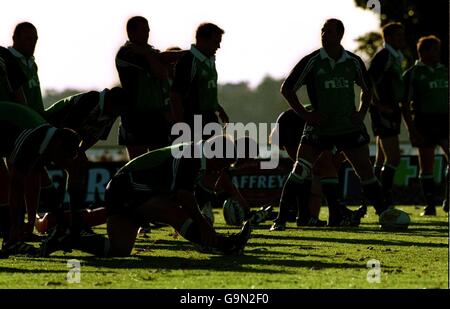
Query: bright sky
x,y
78,39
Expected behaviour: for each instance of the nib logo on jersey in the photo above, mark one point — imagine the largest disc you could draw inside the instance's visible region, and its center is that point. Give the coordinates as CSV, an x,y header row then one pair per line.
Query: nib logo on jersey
x,y
337,83
438,84
240,133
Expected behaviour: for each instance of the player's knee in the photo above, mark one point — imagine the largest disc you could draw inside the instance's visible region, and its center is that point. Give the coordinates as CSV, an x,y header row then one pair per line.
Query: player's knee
x,y
119,247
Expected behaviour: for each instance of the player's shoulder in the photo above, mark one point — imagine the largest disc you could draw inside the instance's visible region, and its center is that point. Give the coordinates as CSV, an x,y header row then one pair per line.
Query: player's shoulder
x,y
409,71
353,56
6,55
313,55
382,55
126,53
89,96
3,51
185,63
186,58
355,59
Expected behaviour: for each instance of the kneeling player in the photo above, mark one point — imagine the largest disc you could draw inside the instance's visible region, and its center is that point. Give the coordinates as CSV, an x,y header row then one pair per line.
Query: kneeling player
x,y
159,186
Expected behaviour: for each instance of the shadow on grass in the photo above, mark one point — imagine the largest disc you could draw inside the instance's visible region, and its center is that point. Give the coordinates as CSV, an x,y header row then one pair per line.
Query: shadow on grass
x,y
246,264
43,271
353,241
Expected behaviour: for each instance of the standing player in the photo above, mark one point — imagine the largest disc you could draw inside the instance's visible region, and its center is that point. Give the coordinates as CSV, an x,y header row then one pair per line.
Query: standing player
x,y
159,186
143,73
12,79
425,109
194,89
330,74
24,43
386,73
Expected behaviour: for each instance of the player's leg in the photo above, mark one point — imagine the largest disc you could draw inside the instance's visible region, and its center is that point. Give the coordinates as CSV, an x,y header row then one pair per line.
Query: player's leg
x,y
4,205
379,159
292,209
378,129
315,200
297,186
426,163
324,168
444,145
167,209
53,196
359,158
391,149
76,187
122,232
32,197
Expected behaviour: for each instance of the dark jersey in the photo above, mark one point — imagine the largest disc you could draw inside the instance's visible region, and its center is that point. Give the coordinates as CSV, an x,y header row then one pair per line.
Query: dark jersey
x,y
83,113
159,171
427,88
386,73
11,76
330,86
32,87
149,96
196,81
25,135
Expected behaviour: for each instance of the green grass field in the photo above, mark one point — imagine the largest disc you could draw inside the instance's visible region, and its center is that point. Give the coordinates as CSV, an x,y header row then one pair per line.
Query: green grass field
x,y
293,259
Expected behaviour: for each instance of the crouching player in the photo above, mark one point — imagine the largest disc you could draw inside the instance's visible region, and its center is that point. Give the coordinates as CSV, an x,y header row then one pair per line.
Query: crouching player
x,y
29,143
159,186
91,115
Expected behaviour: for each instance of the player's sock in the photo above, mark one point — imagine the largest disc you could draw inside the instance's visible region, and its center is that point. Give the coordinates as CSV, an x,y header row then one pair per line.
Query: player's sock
x,y
429,189
288,200
374,193
387,180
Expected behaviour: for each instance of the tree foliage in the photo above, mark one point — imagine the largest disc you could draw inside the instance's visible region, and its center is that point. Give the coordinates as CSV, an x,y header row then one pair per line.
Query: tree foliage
x,y
419,17
260,105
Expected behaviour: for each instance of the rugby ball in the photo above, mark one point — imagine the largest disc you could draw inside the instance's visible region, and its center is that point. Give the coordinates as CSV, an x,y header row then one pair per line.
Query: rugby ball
x,y
233,213
394,219
207,212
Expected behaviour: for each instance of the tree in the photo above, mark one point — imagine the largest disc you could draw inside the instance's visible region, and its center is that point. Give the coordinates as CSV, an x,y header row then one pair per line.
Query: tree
x,y
419,17
369,44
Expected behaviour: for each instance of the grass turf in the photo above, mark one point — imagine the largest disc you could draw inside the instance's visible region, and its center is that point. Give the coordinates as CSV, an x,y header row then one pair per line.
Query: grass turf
x,y
293,259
